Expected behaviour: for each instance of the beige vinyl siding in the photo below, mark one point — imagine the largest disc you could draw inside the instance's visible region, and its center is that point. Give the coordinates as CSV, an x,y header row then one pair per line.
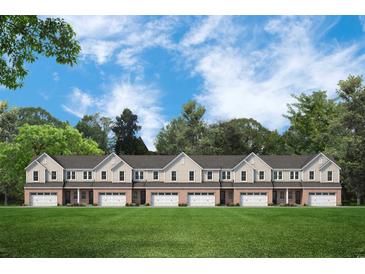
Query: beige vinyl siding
x,y
249,173
107,166
335,173
45,166
259,165
215,176
41,173
122,166
182,165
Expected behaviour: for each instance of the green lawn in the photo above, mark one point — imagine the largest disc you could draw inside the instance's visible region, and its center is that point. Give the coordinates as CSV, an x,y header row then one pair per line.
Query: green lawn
x,y
182,232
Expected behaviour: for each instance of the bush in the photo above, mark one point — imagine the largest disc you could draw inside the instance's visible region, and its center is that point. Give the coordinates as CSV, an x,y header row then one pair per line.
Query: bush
x,y
147,204
183,205
238,204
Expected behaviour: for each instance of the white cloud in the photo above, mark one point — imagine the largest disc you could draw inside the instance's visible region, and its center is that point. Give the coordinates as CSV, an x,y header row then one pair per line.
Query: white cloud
x,y
100,51
257,81
55,76
141,100
362,22
80,102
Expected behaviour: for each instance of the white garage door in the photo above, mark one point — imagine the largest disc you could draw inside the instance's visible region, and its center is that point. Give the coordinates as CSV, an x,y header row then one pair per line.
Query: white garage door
x,y
164,199
253,199
201,199
43,199
112,199
322,199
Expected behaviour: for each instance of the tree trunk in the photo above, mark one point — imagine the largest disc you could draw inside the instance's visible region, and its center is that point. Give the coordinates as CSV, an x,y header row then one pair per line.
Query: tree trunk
x,y
358,198
5,198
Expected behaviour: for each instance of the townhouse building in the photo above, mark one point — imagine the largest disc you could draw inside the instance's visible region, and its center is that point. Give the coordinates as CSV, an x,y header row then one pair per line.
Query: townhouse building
x,y
192,180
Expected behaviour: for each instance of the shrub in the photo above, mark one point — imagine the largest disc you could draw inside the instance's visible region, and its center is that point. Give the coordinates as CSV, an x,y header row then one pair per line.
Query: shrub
x,y
147,204
238,204
183,205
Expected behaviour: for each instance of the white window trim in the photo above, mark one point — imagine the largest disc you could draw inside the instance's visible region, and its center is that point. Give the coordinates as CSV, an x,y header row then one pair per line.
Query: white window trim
x,y
277,172
123,176
153,176
101,175
139,172
208,176
175,176
294,179
309,175
226,172
193,176
51,175
71,172
331,176
37,176
259,175
245,176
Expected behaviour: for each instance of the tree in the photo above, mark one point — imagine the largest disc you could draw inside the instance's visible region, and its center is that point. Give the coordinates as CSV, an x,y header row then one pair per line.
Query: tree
x,y
310,122
125,129
8,119
32,141
241,136
184,133
23,38
37,116
96,128
351,151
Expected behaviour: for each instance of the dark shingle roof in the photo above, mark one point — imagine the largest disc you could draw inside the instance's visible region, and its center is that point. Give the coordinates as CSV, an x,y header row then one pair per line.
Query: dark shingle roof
x,y
287,161
217,161
79,161
148,161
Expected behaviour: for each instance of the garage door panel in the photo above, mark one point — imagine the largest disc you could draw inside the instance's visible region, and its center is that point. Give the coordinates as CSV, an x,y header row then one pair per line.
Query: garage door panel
x,y
164,199
322,199
254,199
112,199
201,199
43,199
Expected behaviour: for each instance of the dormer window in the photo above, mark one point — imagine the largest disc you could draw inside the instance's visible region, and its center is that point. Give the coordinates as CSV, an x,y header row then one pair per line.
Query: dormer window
x,y
191,176
138,175
103,175
261,175
35,175
311,175
121,176
278,175
294,175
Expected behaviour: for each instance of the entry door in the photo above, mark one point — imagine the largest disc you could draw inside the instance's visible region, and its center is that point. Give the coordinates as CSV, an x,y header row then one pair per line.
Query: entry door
x,y
223,198
143,197
275,197
297,197
67,197
91,197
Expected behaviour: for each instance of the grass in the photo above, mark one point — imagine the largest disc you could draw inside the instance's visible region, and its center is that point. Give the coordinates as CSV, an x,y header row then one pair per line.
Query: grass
x,y
182,232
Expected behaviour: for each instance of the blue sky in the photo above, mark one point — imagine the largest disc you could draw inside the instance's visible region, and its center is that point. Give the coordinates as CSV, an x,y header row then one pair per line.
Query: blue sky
x,y
240,66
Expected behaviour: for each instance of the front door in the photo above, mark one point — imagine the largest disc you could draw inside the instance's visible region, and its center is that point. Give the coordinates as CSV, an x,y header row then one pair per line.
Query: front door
x,y
143,197
67,197
223,198
275,197
297,197
91,197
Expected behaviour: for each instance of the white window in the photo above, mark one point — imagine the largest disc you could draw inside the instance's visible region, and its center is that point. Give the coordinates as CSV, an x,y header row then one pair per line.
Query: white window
x,y
210,175
138,175
70,175
294,175
155,175
278,175
243,176
173,175
261,175
226,175
311,175
53,175
85,175
35,175
191,175
103,175
121,176
90,175
329,176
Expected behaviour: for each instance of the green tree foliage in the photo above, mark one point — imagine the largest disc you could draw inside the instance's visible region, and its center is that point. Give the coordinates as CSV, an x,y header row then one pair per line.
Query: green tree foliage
x,y
125,128
241,136
184,133
96,128
32,141
37,116
310,123
351,149
8,121
23,38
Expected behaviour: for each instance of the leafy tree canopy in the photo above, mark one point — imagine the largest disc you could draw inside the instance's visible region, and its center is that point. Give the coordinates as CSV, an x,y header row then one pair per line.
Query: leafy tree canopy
x,y
23,38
